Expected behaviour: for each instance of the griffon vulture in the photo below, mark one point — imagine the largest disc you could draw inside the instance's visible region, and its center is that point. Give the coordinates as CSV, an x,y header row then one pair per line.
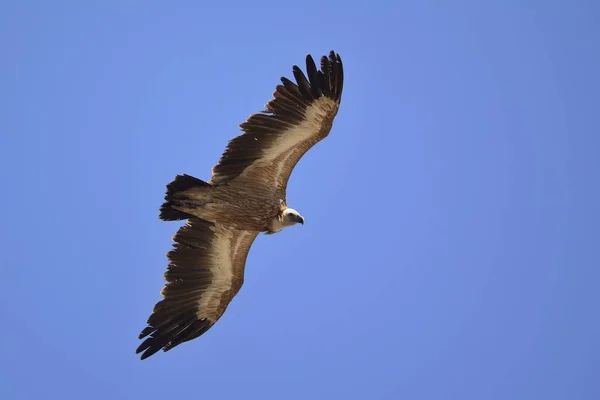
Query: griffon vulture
x,y
245,196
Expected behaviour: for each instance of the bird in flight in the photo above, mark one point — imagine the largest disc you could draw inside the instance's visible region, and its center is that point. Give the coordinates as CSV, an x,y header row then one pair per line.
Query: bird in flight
x,y
245,196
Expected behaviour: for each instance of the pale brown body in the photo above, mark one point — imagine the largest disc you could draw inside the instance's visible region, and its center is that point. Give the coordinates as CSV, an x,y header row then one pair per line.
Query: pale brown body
x,y
239,206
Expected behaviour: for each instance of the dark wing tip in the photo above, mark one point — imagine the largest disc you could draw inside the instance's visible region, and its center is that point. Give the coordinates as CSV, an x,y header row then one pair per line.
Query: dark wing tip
x,y
327,81
171,334
330,78
335,69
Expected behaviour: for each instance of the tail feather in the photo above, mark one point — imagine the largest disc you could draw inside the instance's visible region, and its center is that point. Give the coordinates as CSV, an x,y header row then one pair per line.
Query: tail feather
x,y
184,182
175,194
168,213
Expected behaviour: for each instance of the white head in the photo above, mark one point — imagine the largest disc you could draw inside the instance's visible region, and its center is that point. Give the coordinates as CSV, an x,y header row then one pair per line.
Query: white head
x,y
290,217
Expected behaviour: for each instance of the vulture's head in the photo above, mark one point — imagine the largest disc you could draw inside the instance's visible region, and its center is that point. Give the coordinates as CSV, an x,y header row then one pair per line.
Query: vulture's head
x,y
291,217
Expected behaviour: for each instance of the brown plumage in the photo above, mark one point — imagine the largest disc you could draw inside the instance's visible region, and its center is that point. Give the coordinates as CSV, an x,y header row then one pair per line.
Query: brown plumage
x,y
245,196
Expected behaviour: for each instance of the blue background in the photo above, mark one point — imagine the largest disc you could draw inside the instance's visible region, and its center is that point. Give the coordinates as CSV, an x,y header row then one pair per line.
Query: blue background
x,y
450,245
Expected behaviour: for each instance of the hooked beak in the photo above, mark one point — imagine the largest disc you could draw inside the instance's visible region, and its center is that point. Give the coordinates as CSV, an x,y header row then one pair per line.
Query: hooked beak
x,y
301,220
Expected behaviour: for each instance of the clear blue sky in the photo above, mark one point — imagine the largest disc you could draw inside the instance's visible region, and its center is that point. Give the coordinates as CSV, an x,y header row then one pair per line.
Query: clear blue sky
x,y
450,245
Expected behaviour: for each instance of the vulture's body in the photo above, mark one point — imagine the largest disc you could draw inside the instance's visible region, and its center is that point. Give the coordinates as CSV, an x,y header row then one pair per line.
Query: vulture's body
x,y
245,196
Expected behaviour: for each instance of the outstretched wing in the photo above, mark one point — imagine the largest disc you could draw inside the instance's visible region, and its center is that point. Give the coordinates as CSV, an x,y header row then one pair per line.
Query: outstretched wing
x,y
299,115
205,272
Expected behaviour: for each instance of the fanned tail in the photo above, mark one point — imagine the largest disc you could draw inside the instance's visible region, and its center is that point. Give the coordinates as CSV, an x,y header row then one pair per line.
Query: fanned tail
x,y
176,195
